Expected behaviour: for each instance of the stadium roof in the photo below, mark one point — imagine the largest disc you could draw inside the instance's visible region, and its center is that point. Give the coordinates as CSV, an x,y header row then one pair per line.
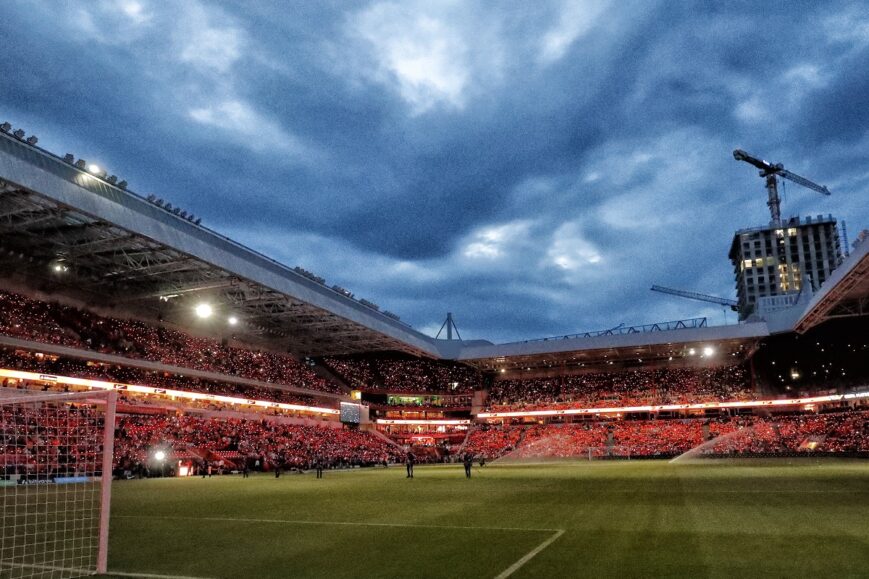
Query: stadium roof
x,y
68,231
680,345
845,294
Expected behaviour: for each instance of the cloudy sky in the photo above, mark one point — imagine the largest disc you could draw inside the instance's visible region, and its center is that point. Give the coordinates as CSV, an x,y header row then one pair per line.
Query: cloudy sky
x,y
532,167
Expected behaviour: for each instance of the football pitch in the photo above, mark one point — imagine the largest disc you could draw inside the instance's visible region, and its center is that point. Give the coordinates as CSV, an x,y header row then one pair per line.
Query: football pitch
x,y
628,519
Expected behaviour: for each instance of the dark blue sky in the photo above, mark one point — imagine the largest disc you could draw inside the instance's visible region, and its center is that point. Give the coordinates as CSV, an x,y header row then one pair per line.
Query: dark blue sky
x,y
532,169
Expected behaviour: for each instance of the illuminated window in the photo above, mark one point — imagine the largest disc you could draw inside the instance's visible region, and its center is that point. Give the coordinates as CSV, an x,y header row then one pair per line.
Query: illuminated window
x,y
758,262
747,263
783,280
792,232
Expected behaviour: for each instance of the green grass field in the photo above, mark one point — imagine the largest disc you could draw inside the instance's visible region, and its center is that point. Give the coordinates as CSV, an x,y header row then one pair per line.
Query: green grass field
x,y
627,519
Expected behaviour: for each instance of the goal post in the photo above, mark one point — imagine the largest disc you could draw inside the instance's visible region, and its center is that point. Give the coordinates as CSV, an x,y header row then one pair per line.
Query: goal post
x,y
55,482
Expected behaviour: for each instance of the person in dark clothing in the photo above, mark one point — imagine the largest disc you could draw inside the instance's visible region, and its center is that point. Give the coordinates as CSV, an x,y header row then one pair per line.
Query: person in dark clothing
x,y
204,469
469,462
245,471
277,470
319,465
409,461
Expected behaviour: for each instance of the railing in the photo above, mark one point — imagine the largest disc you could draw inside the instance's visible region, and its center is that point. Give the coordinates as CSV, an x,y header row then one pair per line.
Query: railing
x,y
621,329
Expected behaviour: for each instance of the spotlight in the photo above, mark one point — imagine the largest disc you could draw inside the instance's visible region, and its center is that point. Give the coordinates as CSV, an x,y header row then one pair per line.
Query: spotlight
x,y
708,351
204,311
160,455
81,163
69,158
94,169
691,351
232,320
18,134
5,127
32,140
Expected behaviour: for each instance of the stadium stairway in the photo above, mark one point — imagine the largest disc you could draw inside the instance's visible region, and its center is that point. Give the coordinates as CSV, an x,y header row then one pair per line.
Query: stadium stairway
x,y
465,441
328,373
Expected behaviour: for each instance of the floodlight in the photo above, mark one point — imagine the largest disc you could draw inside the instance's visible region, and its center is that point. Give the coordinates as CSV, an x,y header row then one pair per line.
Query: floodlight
x,y
232,320
58,267
94,169
204,311
160,455
691,351
708,351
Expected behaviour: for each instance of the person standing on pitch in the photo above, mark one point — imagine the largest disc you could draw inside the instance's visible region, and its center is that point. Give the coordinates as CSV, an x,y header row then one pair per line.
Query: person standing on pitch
x,y
469,462
319,464
409,460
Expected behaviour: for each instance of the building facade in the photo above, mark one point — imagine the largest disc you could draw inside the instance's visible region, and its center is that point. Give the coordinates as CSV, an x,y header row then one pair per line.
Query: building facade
x,y
773,261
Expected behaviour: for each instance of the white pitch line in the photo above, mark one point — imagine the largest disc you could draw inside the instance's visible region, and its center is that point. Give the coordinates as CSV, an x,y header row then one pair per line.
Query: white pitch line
x,y
529,555
344,523
152,575
91,571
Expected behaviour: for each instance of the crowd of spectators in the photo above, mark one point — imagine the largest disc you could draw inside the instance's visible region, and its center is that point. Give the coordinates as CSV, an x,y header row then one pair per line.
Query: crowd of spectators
x,y
492,442
638,387
38,442
55,323
405,375
834,432
274,445
54,365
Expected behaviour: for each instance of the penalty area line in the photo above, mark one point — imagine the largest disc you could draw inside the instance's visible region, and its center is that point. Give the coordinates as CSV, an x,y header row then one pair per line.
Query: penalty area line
x,y
529,555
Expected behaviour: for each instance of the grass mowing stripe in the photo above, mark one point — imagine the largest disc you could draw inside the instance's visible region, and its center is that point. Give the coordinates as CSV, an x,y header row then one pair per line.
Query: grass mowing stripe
x,y
347,523
529,555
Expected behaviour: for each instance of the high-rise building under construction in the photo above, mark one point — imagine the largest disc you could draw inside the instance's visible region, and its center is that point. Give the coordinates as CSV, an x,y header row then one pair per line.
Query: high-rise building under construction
x,y
773,260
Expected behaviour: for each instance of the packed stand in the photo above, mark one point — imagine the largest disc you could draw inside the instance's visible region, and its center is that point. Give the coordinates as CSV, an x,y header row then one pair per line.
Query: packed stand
x,y
492,442
832,433
25,361
41,442
406,375
632,388
275,445
54,323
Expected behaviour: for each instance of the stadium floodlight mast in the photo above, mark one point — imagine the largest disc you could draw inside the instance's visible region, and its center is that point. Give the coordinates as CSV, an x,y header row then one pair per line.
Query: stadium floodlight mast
x,y
204,310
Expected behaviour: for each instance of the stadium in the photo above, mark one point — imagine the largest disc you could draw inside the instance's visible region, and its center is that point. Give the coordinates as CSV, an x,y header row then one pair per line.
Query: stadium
x,y
175,404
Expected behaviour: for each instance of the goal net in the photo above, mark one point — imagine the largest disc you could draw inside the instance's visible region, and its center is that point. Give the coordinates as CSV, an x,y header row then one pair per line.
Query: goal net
x,y
55,482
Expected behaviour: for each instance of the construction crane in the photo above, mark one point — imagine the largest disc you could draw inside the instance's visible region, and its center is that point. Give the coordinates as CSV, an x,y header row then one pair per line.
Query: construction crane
x,y
732,304
770,172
